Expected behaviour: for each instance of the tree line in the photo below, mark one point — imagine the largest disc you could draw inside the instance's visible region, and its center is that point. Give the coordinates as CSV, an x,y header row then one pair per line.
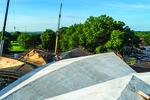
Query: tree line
x,y
96,34
144,36
99,34
44,41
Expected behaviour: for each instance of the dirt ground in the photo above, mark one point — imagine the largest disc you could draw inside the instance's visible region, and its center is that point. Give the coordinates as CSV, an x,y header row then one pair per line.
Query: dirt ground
x,y
141,67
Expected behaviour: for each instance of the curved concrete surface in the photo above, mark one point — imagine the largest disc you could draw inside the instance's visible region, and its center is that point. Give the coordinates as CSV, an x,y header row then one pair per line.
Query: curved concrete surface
x,y
124,88
68,75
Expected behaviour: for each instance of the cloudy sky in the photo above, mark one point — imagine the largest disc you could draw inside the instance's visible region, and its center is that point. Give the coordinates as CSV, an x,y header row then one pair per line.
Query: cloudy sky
x,y
38,15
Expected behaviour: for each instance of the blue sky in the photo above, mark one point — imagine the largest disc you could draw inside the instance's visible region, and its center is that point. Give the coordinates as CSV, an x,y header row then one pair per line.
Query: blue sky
x,y
38,15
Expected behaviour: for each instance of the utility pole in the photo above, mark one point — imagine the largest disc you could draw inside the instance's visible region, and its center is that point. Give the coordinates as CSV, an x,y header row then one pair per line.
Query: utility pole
x,y
58,32
4,27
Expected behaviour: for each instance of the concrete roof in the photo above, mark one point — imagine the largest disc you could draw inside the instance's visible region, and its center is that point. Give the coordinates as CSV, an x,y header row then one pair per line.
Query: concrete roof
x,y
78,52
124,88
66,76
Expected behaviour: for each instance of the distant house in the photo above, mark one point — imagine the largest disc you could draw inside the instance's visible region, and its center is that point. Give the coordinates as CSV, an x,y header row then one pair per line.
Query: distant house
x,y
78,52
37,57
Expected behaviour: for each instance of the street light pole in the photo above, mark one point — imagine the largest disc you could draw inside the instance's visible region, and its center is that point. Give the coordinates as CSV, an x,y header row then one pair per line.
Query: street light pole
x,y
4,27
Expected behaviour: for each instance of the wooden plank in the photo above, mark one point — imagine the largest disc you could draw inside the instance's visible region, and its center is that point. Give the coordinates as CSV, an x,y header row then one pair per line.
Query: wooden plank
x,y
145,96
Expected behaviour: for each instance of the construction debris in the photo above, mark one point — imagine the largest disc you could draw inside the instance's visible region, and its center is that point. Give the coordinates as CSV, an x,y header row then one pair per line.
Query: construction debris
x,y
7,63
37,57
78,52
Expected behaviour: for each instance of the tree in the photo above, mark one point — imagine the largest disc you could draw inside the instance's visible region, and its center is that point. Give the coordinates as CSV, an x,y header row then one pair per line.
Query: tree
x,y
98,34
100,49
36,41
48,39
147,39
25,40
64,37
7,42
144,37
116,41
15,35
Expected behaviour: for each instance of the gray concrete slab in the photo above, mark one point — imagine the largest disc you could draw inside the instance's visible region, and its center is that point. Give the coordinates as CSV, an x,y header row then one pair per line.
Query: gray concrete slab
x,y
69,75
124,88
131,90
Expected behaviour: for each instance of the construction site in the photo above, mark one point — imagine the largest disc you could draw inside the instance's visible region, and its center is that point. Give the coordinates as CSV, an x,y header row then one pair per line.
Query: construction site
x,y
99,77
100,66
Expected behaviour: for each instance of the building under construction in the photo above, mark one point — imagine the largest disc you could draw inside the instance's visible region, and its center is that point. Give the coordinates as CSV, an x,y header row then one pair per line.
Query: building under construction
x,y
96,77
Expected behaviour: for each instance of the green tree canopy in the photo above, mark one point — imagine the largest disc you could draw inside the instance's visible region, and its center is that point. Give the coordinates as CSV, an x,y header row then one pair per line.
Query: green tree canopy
x,y
48,39
15,35
116,40
7,42
98,34
25,40
145,37
35,40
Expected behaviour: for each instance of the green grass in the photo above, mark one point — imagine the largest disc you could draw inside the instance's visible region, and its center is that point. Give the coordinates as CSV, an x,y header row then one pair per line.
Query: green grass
x,y
131,62
16,47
